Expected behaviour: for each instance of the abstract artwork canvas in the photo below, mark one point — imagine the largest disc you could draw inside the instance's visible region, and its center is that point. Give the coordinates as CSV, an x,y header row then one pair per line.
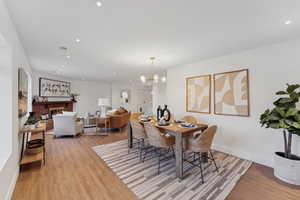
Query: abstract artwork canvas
x,y
54,88
198,89
231,93
22,93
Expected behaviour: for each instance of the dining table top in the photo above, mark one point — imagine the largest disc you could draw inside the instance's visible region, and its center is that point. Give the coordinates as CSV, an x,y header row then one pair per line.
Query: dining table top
x,y
176,127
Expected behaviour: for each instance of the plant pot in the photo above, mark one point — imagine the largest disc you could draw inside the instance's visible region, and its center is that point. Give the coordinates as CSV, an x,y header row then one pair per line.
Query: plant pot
x,y
287,170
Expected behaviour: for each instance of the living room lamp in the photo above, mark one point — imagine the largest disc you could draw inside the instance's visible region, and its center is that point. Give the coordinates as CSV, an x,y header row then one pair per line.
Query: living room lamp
x,y
104,103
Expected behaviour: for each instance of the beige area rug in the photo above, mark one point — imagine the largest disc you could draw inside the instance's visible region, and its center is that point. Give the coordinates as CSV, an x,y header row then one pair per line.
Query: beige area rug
x,y
143,180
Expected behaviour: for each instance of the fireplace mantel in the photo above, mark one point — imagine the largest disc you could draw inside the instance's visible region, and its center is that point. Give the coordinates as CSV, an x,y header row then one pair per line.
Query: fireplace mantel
x,y
53,102
43,108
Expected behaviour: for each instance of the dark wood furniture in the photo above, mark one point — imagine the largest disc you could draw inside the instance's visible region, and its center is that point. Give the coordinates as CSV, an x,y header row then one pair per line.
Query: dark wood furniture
x,y
51,107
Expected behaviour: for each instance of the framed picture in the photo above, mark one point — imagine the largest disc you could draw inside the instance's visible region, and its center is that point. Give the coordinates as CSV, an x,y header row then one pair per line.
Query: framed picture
x,y
198,94
54,88
231,93
22,93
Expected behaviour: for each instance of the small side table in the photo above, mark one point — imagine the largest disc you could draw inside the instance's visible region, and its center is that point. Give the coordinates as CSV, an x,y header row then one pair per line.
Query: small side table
x,y
30,158
104,122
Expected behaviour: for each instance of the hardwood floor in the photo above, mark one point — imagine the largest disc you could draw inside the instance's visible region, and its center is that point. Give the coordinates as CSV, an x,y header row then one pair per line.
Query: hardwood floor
x,y
73,171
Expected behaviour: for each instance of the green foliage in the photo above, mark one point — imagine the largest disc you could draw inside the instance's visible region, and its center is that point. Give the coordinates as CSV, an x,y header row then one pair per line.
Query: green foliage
x,y
284,115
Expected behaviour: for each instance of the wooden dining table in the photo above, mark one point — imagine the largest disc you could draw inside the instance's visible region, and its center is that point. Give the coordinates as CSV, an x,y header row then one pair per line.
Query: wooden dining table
x,y
179,132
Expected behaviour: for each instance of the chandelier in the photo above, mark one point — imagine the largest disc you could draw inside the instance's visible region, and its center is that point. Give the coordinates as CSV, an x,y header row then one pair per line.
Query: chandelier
x,y
153,78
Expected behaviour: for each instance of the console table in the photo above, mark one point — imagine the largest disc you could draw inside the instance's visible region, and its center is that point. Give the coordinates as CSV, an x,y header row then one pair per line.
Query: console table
x,y
36,133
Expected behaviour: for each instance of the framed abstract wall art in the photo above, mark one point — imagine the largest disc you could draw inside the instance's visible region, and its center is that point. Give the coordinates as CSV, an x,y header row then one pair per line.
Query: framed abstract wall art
x,y
22,92
198,94
231,93
54,88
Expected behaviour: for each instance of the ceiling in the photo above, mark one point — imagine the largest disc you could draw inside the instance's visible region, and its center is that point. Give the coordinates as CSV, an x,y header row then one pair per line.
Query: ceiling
x,y
117,39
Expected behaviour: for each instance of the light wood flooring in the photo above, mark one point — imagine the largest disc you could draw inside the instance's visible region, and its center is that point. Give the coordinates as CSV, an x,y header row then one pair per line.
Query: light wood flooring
x,y
74,171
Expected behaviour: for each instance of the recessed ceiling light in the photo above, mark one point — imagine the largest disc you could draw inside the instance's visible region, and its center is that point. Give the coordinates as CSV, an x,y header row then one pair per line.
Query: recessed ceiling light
x,y
287,22
98,3
77,40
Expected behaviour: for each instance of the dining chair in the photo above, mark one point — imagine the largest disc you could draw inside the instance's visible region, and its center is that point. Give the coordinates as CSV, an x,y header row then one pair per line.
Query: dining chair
x,y
190,119
162,143
138,134
200,143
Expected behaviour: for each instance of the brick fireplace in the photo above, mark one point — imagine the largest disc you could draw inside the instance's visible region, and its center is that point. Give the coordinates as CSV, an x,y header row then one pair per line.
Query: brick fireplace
x,y
50,108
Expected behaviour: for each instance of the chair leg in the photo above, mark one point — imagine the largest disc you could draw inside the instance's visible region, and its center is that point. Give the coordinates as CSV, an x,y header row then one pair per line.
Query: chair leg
x,y
194,157
213,159
141,148
145,155
200,165
173,150
159,154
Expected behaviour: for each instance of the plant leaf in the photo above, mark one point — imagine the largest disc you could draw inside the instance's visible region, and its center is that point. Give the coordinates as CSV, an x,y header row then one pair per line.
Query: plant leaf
x,y
274,125
281,93
282,124
296,125
294,96
291,112
292,88
280,111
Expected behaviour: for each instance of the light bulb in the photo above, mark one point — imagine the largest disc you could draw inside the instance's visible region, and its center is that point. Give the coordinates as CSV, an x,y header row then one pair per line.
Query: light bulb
x,y
143,78
155,77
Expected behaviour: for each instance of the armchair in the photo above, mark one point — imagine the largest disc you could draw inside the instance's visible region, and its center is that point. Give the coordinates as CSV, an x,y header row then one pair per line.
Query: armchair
x,y
67,125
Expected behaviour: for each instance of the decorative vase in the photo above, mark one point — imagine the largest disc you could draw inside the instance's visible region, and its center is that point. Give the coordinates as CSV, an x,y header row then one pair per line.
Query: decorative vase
x,y
158,113
287,170
166,113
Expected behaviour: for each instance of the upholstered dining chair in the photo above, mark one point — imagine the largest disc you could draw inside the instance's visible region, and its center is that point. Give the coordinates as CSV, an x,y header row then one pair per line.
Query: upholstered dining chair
x,y
138,134
160,141
201,143
190,119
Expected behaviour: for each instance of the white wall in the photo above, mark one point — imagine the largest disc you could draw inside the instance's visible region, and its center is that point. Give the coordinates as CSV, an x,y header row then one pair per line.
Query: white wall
x,y
9,172
159,96
270,68
139,96
116,90
90,91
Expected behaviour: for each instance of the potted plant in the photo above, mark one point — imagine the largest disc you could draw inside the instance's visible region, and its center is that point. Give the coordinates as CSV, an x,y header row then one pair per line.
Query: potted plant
x,y
285,116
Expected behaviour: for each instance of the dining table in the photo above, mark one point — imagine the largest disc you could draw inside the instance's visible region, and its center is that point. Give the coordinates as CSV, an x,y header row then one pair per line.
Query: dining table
x,y
179,132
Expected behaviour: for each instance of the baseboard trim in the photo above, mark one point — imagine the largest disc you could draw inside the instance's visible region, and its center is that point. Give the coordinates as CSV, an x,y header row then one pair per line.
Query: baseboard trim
x,y
244,155
12,185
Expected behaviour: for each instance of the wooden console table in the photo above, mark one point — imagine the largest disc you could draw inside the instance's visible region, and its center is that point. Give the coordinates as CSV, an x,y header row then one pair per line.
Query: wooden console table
x,y
36,133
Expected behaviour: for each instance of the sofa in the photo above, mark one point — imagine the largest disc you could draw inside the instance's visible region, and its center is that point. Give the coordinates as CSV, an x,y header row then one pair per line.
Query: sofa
x,y
119,118
67,124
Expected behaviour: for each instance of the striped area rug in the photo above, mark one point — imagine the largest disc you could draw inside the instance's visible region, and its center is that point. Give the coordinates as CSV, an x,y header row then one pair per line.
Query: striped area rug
x,y
143,180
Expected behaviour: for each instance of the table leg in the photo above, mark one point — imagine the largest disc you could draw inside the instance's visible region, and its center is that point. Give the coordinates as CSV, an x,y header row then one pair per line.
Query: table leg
x,y
44,148
178,151
22,149
106,126
204,157
129,136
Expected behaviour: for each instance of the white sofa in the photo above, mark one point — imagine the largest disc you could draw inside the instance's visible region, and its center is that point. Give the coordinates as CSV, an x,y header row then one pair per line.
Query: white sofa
x,y
66,124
